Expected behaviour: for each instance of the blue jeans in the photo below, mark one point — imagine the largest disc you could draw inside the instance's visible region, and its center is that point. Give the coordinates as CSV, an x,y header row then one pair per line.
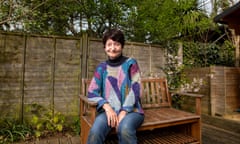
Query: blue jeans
x,y
126,129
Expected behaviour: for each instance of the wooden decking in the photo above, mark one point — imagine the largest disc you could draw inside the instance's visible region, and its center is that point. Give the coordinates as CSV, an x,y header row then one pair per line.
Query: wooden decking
x,y
211,135
217,130
55,140
214,131
215,135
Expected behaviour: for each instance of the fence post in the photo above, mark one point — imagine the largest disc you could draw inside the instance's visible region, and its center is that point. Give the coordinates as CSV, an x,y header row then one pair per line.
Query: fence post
x,y
84,66
212,91
52,105
21,114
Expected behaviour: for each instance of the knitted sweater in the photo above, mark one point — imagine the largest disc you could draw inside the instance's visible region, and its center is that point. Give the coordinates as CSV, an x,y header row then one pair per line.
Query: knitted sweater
x,y
110,82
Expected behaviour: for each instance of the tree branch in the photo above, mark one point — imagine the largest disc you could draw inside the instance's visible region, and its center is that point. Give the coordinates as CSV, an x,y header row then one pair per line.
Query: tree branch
x,y
10,18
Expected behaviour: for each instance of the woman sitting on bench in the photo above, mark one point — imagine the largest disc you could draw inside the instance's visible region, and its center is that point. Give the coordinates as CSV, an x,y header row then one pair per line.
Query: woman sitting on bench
x,y
116,108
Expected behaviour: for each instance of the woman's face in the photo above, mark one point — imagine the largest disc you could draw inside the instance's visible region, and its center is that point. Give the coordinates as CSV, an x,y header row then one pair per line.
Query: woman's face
x,y
113,49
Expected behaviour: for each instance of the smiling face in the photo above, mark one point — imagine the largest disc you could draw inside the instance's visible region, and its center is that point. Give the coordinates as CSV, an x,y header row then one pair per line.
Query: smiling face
x,y
113,49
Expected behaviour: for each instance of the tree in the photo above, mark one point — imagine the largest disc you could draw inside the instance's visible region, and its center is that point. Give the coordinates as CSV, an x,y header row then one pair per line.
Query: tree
x,y
65,17
53,17
166,20
150,21
100,15
12,13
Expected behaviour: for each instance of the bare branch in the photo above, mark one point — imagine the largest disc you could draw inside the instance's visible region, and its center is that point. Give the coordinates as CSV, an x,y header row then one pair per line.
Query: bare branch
x,y
11,18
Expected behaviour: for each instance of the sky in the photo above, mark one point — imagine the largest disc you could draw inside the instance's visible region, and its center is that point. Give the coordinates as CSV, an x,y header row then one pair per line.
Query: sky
x,y
207,5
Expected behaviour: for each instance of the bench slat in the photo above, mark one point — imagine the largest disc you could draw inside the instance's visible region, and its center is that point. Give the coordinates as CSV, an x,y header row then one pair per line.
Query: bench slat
x,y
164,136
155,93
167,116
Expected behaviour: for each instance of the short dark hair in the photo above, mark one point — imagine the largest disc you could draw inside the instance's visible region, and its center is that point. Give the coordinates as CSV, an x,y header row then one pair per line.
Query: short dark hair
x,y
114,34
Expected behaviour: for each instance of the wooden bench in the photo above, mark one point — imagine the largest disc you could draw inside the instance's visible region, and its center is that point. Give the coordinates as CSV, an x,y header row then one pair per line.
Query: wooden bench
x,y
162,124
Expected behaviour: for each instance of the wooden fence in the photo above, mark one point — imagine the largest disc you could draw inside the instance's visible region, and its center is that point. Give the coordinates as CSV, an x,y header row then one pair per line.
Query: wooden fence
x,y
221,89
47,70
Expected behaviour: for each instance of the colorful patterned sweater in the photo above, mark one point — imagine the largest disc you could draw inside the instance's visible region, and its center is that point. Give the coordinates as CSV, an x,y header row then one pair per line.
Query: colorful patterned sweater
x,y
111,81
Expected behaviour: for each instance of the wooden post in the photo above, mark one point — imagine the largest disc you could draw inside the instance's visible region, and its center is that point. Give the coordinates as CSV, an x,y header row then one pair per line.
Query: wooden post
x,y
53,67
84,66
236,41
21,115
212,91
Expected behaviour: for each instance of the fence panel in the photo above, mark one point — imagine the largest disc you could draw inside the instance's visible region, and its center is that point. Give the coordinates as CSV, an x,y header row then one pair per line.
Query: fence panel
x,y
221,89
38,71
67,73
204,74
11,74
232,84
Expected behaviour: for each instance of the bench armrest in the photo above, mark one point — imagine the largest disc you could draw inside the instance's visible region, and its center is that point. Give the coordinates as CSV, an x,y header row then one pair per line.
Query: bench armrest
x,y
87,109
197,96
85,100
187,94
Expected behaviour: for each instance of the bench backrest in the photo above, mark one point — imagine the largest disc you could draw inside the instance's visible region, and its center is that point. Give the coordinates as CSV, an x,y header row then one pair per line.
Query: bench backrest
x,y
85,84
154,92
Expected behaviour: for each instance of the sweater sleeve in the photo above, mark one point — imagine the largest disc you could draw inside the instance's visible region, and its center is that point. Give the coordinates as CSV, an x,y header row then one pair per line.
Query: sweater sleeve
x,y
95,88
133,96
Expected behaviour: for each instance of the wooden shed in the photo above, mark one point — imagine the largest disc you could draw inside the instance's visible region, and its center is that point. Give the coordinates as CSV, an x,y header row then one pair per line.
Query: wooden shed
x,y
231,17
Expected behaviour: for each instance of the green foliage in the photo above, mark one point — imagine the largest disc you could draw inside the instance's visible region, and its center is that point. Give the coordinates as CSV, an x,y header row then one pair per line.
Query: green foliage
x,y
45,121
49,17
65,17
171,19
12,131
177,101
41,122
173,68
150,21
204,55
10,14
75,125
177,80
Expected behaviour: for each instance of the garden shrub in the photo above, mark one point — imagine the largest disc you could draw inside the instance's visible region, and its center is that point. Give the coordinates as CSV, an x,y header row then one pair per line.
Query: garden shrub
x,y
12,130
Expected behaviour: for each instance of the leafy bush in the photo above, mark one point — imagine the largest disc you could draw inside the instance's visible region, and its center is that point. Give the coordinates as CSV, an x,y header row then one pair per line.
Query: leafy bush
x,y
12,131
45,121
39,122
177,80
207,54
73,125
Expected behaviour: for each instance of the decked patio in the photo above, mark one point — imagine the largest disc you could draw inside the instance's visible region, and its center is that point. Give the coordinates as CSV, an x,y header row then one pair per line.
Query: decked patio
x,y
216,130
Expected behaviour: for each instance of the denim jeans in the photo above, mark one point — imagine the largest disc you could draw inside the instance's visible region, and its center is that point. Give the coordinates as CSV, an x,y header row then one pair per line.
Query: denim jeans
x,y
126,131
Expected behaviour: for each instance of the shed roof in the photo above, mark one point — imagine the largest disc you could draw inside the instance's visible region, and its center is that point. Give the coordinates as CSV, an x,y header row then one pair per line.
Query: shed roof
x,y
230,15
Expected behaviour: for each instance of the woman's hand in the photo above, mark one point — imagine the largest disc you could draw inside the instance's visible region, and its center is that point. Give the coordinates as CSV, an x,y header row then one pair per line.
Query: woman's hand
x,y
121,115
112,117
